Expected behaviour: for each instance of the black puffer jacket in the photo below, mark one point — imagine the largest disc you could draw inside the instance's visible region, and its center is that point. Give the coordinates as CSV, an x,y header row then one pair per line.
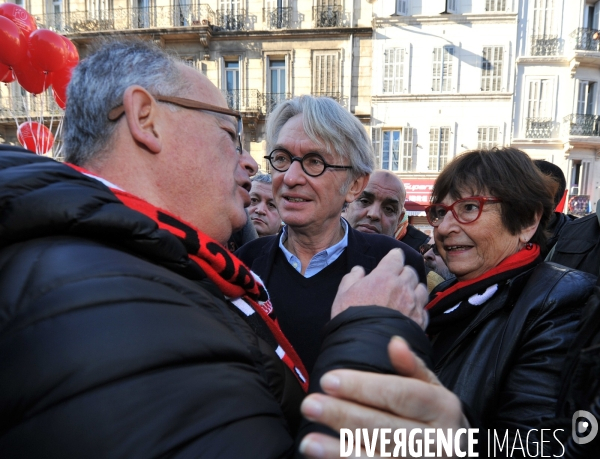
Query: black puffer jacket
x,y
505,364
114,344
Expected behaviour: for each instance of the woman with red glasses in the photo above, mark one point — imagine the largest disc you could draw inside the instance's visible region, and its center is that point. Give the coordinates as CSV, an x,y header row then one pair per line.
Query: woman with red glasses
x,y
501,330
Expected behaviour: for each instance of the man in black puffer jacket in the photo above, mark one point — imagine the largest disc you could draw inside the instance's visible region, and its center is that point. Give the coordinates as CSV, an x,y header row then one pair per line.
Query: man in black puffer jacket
x,y
126,328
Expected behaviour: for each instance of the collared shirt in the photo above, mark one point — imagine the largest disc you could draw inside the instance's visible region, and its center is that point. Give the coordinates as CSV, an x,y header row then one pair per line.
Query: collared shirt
x,y
321,260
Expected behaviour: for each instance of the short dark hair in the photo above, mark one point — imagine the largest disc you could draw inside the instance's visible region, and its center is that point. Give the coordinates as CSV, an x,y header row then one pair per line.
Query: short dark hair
x,y
508,174
557,174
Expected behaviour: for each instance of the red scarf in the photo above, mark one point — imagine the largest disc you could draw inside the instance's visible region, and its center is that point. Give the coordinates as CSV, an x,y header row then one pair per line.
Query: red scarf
x,y
507,268
224,269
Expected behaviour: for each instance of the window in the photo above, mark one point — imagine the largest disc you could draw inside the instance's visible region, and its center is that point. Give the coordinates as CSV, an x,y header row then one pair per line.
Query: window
x,y
539,109
328,13
543,18
397,150
393,70
232,84
539,100
579,177
230,15
439,146
491,68
442,69
487,137
495,5
230,6
326,71
544,38
376,144
99,9
451,6
276,84
57,9
402,7
585,97
277,14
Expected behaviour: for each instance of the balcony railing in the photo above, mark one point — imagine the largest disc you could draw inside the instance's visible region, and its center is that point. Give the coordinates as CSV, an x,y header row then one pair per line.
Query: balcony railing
x,y
243,100
585,125
128,18
278,18
273,98
545,45
586,39
231,19
328,16
539,128
29,106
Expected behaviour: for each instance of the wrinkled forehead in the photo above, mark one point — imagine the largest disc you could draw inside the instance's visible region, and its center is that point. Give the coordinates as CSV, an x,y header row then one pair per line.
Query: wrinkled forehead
x,y
383,184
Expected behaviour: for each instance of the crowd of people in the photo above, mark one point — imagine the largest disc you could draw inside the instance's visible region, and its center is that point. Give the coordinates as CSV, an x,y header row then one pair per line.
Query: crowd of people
x,y
162,297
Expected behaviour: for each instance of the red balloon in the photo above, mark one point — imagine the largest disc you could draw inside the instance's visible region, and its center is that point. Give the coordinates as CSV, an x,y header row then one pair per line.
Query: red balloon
x,y
35,137
10,42
60,80
33,80
72,54
47,50
19,15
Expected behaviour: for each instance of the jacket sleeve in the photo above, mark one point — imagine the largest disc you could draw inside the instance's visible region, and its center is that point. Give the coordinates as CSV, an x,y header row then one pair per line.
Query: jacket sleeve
x,y
357,339
111,356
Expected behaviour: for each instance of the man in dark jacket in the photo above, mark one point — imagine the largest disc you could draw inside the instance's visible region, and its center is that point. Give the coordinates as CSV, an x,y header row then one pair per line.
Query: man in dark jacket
x,y
126,327
321,158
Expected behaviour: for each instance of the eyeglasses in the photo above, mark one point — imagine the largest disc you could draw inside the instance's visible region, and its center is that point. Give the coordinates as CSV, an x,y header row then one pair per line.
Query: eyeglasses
x,y
118,111
465,210
312,163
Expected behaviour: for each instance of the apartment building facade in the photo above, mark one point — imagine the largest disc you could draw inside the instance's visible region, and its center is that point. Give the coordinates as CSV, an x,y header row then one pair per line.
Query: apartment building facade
x,y
556,108
453,75
258,52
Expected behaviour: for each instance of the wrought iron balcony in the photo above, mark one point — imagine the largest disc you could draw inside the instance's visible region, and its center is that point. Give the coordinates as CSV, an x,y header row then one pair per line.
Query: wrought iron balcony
x,y
231,19
545,45
277,18
586,39
243,100
128,18
585,125
328,16
539,128
29,106
273,98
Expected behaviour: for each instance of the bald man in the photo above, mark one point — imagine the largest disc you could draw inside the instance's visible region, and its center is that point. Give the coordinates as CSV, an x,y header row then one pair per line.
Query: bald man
x,y
380,209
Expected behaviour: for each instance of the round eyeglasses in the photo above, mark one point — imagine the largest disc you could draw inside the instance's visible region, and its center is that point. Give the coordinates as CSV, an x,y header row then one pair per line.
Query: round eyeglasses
x,y
312,164
465,210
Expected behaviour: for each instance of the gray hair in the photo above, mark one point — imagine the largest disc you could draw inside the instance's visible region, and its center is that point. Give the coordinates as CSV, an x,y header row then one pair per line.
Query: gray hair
x,y
262,178
327,123
98,85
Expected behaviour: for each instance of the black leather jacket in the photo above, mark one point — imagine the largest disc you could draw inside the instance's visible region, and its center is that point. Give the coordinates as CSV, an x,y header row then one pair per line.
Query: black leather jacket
x,y
505,364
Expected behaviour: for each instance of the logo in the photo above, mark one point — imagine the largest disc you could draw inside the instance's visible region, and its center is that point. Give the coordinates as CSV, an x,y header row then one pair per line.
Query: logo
x,y
589,427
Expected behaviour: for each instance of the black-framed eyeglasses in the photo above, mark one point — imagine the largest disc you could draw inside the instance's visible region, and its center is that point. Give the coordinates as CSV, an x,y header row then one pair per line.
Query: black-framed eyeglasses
x,y
118,111
313,164
465,210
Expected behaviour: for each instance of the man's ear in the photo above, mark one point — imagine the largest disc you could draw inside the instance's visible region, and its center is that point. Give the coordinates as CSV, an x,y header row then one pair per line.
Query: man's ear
x,y
141,110
357,187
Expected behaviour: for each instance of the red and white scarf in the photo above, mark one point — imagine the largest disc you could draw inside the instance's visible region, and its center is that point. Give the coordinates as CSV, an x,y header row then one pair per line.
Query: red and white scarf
x,y
234,279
